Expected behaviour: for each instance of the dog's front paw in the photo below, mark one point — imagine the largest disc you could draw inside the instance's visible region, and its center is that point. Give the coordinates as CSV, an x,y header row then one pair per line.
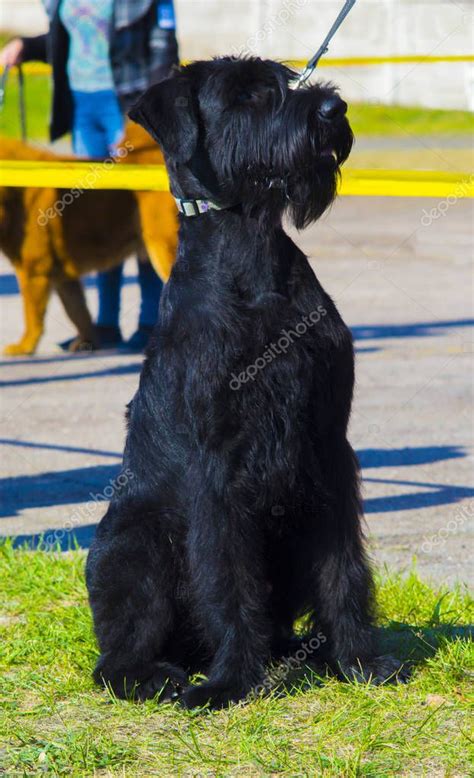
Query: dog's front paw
x,y
159,680
377,671
20,349
212,695
165,684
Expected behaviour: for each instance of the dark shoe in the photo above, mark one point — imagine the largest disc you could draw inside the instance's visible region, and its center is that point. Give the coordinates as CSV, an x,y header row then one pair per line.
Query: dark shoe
x,y
108,337
140,338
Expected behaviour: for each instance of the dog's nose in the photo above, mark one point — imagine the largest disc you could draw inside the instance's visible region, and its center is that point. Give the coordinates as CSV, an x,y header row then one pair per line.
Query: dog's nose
x,y
332,107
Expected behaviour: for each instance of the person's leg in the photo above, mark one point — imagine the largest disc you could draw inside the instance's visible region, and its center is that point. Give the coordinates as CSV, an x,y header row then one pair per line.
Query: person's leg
x,y
151,287
150,283
112,122
109,285
88,139
98,126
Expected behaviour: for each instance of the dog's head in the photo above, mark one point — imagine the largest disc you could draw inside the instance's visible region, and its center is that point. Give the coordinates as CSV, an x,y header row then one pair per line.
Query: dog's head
x,y
234,130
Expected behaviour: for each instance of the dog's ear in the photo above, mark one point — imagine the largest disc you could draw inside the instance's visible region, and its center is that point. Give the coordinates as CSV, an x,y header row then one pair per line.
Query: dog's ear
x,y
167,112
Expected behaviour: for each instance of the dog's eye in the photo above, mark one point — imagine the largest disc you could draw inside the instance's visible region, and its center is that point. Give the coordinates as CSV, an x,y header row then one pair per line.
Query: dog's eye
x,y
258,94
245,97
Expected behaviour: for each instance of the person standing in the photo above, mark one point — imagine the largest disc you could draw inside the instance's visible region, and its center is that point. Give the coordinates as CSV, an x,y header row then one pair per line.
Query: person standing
x,y
103,56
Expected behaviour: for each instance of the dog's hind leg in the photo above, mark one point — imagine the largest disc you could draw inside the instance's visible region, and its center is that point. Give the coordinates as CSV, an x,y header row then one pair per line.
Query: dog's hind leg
x,y
131,578
71,294
230,601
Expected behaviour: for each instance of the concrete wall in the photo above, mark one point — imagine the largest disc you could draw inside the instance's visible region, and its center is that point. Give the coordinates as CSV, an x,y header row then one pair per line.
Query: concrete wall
x,y
23,16
293,29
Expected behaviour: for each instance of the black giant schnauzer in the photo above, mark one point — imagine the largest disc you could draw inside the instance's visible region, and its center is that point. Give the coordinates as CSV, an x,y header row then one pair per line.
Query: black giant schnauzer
x,y
241,509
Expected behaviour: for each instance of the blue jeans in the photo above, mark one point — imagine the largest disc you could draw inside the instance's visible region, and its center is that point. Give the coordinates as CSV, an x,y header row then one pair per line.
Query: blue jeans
x,y
98,126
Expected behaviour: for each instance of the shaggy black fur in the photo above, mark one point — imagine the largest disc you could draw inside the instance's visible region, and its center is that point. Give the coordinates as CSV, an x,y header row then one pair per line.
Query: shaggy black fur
x,y
239,509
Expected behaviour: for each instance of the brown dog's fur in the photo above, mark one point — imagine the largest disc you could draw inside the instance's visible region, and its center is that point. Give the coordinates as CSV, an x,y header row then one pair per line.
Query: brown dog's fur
x,y
97,230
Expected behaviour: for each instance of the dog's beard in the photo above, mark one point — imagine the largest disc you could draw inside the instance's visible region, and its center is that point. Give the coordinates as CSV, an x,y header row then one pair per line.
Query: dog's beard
x,y
311,151
313,185
289,162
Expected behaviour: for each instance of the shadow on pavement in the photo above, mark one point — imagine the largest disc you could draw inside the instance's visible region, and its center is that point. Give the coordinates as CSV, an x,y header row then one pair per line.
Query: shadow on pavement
x,y
119,370
80,486
403,457
57,447
362,332
436,494
64,357
417,330
9,283
432,494
63,487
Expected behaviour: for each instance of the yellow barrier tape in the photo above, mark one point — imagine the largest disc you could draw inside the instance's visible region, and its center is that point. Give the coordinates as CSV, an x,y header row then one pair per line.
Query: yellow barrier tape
x,y
41,69
111,175
33,69
83,175
402,59
406,183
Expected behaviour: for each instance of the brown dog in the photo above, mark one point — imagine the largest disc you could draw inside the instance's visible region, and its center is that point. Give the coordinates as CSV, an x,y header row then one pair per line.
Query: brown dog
x,y
53,236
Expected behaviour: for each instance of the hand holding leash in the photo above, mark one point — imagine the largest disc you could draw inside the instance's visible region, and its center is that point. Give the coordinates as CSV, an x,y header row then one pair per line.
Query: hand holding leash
x,y
12,53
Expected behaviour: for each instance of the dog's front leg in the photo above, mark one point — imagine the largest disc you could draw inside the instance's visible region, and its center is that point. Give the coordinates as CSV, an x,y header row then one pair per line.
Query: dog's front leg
x,y
35,290
343,586
230,601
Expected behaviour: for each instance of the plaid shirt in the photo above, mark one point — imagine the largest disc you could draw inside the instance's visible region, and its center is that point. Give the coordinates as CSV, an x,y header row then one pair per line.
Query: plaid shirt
x,y
141,53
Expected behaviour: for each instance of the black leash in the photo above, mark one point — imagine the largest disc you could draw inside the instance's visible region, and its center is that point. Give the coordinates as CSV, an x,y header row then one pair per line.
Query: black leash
x,y
3,85
21,95
312,63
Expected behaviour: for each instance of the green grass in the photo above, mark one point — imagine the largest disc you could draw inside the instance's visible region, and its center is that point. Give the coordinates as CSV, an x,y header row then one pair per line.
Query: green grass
x,y
56,723
366,119
38,91
371,119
